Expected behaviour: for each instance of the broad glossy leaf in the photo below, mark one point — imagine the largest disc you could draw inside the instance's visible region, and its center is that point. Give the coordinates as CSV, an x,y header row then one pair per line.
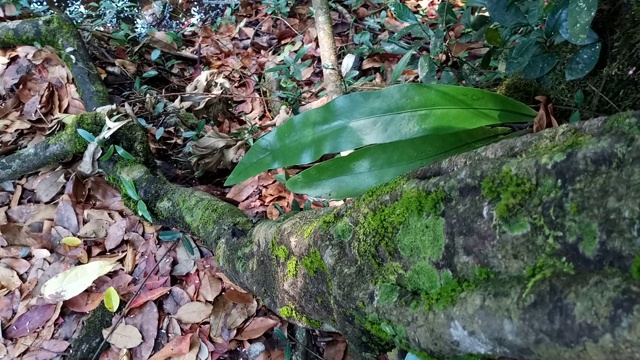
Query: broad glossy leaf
x,y
539,66
583,61
564,30
368,167
579,16
403,13
554,20
506,13
395,113
521,55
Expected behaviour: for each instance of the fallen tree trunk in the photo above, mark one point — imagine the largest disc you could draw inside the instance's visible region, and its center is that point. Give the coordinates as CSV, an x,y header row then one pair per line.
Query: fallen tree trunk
x,y
522,249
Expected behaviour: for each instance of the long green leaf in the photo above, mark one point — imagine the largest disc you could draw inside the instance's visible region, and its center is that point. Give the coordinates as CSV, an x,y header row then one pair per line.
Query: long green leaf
x,y
368,167
395,113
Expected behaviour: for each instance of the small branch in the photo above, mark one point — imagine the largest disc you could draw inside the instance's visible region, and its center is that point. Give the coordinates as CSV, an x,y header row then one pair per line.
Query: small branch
x,y
327,44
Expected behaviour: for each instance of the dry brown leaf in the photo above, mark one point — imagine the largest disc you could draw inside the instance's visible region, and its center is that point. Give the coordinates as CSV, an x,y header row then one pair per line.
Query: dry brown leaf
x,y
194,312
241,191
256,328
241,313
9,278
146,320
177,347
115,234
210,287
124,336
218,319
96,228
238,297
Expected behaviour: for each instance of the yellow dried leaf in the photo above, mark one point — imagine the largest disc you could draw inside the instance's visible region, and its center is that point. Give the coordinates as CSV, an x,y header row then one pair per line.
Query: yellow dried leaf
x,y
71,241
75,280
111,299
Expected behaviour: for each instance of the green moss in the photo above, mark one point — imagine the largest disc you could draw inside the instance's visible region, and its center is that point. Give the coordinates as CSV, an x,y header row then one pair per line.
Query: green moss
x,y
388,293
517,226
451,289
389,272
289,312
552,150
343,230
590,237
423,277
313,262
511,191
544,269
519,88
292,267
381,337
420,239
626,122
377,231
279,251
635,268
573,209
379,191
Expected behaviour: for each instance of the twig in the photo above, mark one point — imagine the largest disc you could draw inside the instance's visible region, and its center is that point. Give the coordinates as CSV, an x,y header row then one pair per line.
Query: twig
x,y
606,98
327,46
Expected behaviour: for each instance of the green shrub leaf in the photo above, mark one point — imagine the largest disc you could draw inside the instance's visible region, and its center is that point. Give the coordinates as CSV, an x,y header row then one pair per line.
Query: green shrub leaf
x,y
142,210
539,66
124,153
506,13
169,235
89,137
130,188
583,61
521,55
400,66
368,167
395,113
579,17
108,154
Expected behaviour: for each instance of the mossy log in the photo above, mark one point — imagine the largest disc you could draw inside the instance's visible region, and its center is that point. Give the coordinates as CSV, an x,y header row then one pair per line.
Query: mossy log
x,y
523,249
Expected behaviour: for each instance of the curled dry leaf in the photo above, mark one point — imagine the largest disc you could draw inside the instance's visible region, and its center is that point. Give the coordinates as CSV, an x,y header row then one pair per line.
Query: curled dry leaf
x,y
123,337
545,118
